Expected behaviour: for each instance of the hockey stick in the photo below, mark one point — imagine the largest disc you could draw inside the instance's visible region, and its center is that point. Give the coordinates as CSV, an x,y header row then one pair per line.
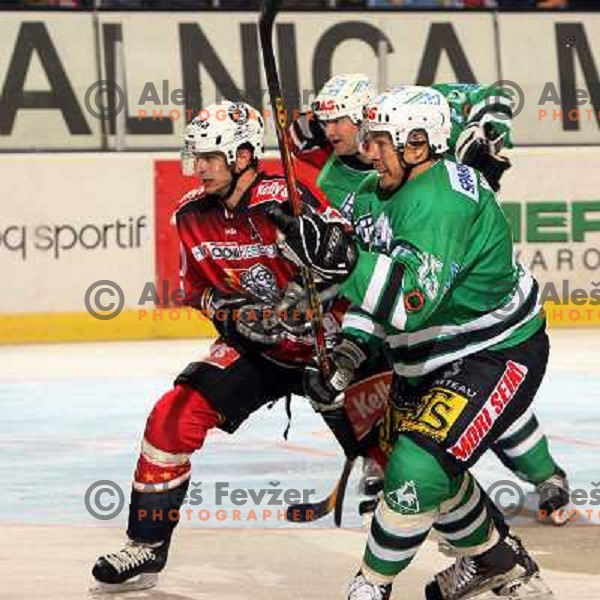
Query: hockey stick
x,y
311,511
267,19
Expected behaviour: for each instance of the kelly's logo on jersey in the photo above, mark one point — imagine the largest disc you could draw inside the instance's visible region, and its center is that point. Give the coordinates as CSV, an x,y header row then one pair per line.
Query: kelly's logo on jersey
x,y
233,251
274,189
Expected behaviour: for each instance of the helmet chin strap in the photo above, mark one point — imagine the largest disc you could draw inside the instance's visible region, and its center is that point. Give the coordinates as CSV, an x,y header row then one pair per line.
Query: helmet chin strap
x,y
408,167
235,177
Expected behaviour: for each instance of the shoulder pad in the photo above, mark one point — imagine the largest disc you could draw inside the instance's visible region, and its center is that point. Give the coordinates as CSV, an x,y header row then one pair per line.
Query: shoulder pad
x,y
269,189
189,201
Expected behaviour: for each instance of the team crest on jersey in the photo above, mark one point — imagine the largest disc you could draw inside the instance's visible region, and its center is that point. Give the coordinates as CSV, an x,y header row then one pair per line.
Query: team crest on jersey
x,y
404,499
383,234
377,235
428,273
364,228
261,283
347,206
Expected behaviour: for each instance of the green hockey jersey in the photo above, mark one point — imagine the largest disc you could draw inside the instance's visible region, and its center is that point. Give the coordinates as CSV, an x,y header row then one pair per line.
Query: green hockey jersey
x,y
436,278
476,103
469,103
340,179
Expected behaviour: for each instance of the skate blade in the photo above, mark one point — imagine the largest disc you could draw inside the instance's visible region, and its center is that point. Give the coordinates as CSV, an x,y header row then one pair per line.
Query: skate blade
x,y
145,581
531,587
560,517
495,585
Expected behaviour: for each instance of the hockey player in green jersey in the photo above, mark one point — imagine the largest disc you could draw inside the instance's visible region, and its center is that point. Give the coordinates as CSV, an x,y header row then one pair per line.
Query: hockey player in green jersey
x,y
434,280
481,118
481,127
328,137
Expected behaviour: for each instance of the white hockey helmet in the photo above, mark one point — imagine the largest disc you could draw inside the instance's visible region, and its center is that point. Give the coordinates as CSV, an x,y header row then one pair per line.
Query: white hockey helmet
x,y
405,108
223,128
344,96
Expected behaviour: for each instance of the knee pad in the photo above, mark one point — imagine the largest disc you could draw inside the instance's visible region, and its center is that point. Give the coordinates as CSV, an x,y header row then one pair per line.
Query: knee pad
x,y
180,421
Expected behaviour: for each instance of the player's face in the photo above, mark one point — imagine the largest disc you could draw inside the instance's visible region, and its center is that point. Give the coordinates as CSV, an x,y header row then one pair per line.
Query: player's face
x,y
212,169
342,134
384,156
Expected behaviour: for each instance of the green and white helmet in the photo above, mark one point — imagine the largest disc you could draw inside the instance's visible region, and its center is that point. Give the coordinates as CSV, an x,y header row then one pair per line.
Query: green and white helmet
x,y
223,128
406,108
344,96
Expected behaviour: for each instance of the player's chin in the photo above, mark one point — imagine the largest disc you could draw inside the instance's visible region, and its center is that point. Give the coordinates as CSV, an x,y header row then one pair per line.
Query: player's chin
x,y
386,181
343,149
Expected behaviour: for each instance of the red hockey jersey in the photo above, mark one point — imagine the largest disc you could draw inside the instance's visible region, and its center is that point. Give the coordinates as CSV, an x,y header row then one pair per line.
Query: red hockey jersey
x,y
236,251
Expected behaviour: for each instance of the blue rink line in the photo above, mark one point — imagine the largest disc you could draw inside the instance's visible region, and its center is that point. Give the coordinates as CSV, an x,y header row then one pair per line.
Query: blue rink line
x,y
57,437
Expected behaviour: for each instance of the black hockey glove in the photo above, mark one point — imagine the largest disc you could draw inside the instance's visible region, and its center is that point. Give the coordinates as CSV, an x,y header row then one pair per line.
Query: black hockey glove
x,y
477,146
307,132
223,310
226,311
319,241
346,357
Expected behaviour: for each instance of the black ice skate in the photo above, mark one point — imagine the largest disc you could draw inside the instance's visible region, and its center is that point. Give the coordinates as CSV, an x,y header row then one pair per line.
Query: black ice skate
x,y
135,567
554,499
362,589
507,570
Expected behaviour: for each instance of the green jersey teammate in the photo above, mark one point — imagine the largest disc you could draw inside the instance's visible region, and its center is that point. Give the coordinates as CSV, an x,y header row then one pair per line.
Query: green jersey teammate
x,y
436,284
481,126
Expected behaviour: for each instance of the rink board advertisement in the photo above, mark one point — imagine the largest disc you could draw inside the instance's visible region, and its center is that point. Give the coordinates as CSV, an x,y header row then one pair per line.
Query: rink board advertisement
x,y
136,78
75,228
45,72
115,225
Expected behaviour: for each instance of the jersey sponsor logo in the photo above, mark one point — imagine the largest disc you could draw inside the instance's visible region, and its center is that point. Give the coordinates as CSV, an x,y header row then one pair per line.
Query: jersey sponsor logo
x,y
438,411
260,282
232,251
405,498
270,190
221,355
504,391
452,384
463,180
365,402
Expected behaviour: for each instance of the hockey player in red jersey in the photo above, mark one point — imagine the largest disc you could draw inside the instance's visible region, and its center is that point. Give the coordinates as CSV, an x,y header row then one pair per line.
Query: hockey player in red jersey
x,y
231,268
